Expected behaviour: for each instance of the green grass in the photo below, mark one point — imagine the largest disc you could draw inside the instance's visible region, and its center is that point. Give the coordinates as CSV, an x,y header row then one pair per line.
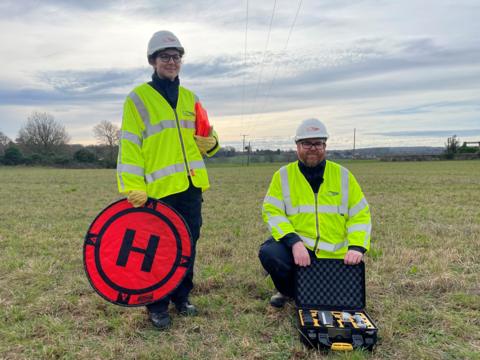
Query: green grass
x,y
422,273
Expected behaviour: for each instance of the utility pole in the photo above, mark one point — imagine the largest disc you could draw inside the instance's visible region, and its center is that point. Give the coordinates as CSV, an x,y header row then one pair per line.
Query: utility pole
x,y
243,148
248,154
353,153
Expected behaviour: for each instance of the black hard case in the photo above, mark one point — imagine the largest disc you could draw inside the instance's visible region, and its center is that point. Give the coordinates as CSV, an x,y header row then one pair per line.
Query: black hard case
x,y
330,285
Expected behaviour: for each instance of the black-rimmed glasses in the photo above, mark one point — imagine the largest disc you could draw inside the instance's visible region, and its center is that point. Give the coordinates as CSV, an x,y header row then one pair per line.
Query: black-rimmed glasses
x,y
308,145
165,58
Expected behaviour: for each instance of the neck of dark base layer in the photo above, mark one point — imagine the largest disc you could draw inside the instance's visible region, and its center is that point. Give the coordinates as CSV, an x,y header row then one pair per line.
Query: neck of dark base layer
x,y
167,88
314,175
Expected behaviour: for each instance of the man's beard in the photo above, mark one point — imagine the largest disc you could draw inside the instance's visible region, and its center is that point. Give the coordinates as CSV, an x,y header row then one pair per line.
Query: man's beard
x,y
312,161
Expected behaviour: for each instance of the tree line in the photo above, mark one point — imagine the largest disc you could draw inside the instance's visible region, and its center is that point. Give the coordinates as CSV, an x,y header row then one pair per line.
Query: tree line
x,y
42,140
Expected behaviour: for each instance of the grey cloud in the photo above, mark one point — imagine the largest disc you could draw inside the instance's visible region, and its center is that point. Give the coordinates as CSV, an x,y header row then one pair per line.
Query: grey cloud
x,y
426,108
219,80
223,66
47,97
93,81
12,9
226,14
374,75
70,87
429,133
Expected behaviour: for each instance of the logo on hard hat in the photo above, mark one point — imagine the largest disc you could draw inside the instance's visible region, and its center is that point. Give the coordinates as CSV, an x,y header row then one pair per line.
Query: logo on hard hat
x,y
169,39
313,128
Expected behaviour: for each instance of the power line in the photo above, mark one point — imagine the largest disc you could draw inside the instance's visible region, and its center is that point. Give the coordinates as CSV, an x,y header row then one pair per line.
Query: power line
x,y
244,135
243,146
264,55
267,95
244,66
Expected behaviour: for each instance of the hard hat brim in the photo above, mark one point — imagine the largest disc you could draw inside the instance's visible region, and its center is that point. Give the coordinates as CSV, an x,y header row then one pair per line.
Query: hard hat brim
x,y
298,138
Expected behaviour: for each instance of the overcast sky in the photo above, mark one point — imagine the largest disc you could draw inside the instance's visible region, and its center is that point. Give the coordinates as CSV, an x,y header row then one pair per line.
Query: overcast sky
x,y
402,73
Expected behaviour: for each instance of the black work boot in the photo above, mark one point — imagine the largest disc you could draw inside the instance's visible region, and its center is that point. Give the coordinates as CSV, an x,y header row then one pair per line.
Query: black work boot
x,y
279,300
184,308
161,320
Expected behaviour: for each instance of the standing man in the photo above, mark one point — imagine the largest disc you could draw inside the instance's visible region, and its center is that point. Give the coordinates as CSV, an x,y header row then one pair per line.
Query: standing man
x,y
161,157
314,208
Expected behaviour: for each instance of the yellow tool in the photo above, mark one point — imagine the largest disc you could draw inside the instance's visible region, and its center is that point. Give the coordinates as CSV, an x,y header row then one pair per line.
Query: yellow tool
x,y
340,346
366,320
300,314
326,318
315,318
338,317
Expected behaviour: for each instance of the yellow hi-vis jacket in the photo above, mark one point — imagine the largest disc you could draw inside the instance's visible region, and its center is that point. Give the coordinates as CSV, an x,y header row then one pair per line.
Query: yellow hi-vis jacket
x,y
338,217
157,151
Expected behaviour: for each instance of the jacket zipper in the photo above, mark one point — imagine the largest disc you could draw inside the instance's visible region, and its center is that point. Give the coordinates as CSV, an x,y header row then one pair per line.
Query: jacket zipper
x,y
181,142
316,223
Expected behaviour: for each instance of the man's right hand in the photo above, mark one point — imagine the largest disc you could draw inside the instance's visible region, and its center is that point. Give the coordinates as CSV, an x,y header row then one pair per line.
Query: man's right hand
x,y
300,254
137,198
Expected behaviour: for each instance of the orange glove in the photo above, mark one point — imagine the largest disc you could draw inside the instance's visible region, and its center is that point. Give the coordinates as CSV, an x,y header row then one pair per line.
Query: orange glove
x,y
137,198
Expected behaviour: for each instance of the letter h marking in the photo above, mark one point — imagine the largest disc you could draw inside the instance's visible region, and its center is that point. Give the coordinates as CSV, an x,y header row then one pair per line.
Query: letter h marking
x,y
127,247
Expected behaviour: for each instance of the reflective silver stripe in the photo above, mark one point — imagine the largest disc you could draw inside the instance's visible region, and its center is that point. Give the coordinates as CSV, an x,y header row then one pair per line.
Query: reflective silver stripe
x,y
130,169
285,188
275,221
357,208
310,242
168,170
367,235
362,227
310,209
324,245
359,227
142,110
197,164
172,169
305,209
275,202
155,129
329,209
332,247
166,124
187,124
127,135
345,185
290,210
119,162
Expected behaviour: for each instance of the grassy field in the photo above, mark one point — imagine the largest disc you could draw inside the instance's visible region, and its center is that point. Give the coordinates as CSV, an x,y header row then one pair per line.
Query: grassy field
x,y
423,285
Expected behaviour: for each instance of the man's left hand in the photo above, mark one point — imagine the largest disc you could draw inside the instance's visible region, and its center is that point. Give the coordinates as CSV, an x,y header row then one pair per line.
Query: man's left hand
x,y
353,257
205,144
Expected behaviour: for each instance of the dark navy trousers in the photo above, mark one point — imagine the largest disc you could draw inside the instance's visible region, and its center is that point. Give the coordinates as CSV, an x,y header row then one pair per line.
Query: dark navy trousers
x,y
277,260
189,205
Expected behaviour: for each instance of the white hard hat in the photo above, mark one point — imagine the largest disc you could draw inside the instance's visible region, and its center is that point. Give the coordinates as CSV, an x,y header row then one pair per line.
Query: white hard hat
x,y
163,40
311,128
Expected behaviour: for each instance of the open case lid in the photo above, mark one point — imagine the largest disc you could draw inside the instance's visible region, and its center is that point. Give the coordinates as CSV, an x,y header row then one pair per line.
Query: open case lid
x,y
331,285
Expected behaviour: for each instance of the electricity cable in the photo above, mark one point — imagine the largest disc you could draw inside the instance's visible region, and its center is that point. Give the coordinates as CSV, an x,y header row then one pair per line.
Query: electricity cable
x,y
267,94
264,56
244,67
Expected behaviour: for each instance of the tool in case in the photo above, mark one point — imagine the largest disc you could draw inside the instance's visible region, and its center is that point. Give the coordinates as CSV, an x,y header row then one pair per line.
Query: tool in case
x,y
330,300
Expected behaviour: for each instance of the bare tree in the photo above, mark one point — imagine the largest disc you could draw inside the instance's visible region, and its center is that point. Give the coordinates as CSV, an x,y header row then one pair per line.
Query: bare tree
x,y
108,134
42,134
4,141
452,145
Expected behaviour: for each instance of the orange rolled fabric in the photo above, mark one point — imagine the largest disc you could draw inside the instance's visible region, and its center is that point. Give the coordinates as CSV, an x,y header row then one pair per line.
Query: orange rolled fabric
x,y
202,125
